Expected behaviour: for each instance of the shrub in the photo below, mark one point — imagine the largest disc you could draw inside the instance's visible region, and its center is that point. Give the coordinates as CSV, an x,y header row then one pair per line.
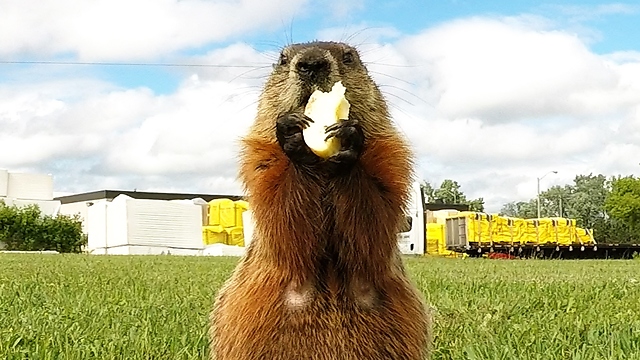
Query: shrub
x,y
26,229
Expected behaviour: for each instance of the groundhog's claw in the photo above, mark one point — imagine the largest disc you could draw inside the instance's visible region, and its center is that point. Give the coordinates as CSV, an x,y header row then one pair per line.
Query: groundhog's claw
x,y
351,139
289,134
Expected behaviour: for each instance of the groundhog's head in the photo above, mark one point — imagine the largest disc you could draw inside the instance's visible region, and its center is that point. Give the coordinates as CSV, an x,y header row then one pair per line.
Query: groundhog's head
x,y
303,68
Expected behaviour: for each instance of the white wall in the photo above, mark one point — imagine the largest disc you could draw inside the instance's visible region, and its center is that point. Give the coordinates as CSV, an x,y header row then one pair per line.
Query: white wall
x,y
141,226
47,207
95,226
4,182
78,208
30,186
163,223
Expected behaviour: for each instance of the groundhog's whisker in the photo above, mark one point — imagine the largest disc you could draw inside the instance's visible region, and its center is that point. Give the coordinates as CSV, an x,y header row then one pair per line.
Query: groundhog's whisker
x,y
241,95
398,97
250,71
399,109
254,102
403,90
358,32
392,77
376,63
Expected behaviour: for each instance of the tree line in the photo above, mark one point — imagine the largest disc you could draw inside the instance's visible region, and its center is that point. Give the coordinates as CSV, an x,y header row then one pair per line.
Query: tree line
x,y
449,193
25,228
608,205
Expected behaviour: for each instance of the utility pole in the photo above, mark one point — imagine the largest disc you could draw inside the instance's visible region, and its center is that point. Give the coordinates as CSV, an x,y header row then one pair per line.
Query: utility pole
x,y
561,206
540,178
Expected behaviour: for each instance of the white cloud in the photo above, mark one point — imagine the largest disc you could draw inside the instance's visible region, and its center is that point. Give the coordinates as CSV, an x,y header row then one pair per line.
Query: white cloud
x,y
131,138
491,103
505,72
494,103
343,8
131,29
194,130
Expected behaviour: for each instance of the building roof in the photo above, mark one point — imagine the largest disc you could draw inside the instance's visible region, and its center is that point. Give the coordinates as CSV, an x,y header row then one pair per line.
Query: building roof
x,y
442,206
111,194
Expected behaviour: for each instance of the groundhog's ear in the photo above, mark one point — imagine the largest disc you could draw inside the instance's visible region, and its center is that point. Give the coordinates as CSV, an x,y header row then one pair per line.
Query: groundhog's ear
x,y
284,59
348,57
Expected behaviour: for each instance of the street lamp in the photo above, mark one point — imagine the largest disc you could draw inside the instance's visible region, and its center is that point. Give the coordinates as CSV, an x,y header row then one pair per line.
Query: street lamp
x,y
540,178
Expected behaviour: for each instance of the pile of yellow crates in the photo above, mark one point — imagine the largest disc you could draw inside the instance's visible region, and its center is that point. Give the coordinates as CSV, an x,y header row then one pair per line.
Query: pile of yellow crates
x,y
484,228
489,229
224,222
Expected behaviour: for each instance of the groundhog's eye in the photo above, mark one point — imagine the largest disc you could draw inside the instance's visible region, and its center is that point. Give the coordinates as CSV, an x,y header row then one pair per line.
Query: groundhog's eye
x,y
348,58
284,59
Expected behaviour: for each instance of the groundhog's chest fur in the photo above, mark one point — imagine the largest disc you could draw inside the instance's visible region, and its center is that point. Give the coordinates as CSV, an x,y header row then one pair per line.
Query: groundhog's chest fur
x,y
267,320
322,278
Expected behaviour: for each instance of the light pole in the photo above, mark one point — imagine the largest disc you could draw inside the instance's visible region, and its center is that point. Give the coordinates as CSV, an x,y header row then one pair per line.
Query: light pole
x,y
540,178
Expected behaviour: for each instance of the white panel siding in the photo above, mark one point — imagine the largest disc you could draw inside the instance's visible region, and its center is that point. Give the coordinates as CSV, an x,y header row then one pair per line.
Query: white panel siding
x,y
47,207
4,183
30,186
164,223
96,227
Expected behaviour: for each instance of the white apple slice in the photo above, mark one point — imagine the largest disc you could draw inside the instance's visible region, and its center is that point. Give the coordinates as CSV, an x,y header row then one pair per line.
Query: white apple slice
x,y
325,108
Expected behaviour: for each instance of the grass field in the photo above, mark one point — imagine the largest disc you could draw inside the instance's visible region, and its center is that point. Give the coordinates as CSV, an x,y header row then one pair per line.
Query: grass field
x,y
94,307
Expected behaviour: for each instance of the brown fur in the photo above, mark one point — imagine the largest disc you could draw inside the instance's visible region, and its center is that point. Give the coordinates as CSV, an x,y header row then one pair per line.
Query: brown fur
x,y
322,278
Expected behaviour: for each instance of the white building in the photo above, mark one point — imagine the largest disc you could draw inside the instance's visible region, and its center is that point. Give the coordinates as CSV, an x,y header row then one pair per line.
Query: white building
x,y
137,223
23,189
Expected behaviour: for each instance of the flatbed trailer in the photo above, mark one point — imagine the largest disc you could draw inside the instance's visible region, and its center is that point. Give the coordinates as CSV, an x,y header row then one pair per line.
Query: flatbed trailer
x,y
552,251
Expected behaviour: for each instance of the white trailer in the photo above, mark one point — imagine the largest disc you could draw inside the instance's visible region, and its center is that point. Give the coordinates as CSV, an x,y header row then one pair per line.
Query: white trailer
x,y
128,226
411,237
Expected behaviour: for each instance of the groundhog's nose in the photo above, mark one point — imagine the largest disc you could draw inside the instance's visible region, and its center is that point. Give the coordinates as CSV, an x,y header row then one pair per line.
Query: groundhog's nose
x,y
313,65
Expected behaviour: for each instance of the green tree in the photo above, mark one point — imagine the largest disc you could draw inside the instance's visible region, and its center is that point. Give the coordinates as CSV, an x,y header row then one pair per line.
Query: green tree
x,y
583,200
587,200
593,202
25,228
449,193
476,205
520,209
623,203
427,191
556,201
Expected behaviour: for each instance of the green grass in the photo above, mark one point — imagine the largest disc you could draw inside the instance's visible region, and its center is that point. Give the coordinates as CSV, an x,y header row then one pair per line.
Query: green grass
x,y
95,307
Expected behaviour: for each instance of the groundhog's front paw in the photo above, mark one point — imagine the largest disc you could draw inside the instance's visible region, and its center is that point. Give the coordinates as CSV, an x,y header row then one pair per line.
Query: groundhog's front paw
x,y
289,134
351,137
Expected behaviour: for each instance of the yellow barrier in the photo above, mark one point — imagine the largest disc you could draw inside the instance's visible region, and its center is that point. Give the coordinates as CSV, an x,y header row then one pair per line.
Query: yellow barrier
x,y
236,236
215,234
435,235
240,206
436,242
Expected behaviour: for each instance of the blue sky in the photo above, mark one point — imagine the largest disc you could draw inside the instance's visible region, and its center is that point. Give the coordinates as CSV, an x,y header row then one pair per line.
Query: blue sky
x,y
491,94
610,24
607,26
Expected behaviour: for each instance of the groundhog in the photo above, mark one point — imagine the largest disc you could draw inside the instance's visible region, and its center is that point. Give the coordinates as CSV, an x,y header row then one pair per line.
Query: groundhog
x,y
322,278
